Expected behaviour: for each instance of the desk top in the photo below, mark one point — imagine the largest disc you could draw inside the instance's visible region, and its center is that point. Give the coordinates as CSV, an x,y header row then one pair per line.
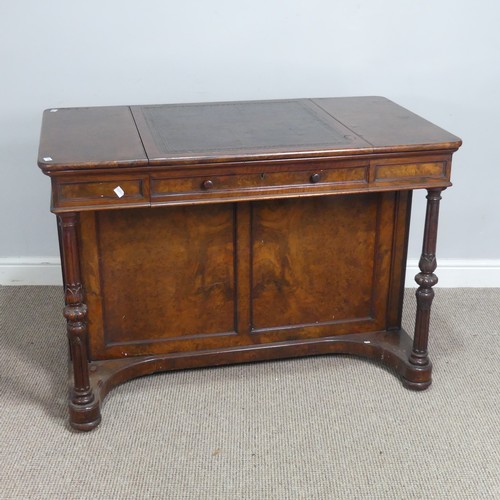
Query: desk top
x,y
207,133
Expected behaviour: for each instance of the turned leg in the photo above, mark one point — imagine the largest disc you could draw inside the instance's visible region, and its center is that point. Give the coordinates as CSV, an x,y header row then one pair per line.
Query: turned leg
x,y
83,405
426,279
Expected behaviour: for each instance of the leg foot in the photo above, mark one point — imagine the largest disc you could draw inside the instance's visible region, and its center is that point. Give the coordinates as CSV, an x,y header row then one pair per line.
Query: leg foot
x,y
84,417
416,386
417,378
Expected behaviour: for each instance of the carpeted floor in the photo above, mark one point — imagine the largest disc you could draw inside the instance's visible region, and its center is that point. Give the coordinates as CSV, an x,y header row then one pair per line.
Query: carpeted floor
x,y
329,427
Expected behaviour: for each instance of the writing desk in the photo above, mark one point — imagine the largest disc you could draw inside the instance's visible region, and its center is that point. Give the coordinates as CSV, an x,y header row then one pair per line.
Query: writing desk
x,y
207,234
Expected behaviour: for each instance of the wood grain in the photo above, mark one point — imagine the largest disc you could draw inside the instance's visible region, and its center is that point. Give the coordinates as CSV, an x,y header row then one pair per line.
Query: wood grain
x,y
386,126
311,263
83,138
181,261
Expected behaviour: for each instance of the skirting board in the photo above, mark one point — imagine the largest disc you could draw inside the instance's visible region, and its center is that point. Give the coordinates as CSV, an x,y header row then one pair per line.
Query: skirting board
x,y
460,273
452,273
30,271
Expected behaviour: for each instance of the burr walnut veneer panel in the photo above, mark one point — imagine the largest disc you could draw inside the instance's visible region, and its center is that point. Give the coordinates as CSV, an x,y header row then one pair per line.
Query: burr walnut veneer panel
x,y
299,279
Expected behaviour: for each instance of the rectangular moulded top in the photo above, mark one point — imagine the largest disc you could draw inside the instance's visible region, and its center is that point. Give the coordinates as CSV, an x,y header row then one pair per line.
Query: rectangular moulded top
x,y
206,133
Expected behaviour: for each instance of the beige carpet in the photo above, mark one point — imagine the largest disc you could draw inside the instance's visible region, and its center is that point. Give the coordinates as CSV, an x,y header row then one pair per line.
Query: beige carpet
x,y
317,428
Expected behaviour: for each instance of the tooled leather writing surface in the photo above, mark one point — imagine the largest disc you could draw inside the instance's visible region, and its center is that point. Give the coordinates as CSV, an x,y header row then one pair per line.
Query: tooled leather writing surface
x,y
252,126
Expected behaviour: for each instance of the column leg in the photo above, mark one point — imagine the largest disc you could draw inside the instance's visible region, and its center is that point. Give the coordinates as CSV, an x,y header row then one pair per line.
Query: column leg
x,y
83,405
426,279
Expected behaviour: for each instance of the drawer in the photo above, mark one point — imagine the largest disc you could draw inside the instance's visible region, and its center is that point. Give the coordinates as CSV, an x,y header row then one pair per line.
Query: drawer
x,y
98,192
414,171
200,186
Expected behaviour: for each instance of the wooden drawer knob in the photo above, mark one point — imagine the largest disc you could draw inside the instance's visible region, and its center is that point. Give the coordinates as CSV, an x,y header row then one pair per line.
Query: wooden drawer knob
x,y
207,184
315,178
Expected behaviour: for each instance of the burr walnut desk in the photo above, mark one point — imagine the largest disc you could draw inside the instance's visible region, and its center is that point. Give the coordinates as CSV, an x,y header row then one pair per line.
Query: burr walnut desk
x,y
206,234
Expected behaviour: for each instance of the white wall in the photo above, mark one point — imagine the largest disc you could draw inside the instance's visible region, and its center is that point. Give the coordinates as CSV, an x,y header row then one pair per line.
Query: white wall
x,y
440,59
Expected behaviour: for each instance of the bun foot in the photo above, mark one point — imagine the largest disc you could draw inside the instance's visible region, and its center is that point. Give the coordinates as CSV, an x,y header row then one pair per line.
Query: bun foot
x,y
84,418
416,386
418,378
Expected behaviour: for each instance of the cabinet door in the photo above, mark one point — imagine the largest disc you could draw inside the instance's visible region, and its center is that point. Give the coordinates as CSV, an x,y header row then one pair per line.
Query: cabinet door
x,y
158,280
321,266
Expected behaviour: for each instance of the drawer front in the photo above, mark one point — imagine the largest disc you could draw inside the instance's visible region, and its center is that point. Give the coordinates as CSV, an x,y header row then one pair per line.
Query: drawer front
x,y
220,186
94,192
237,182
397,171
